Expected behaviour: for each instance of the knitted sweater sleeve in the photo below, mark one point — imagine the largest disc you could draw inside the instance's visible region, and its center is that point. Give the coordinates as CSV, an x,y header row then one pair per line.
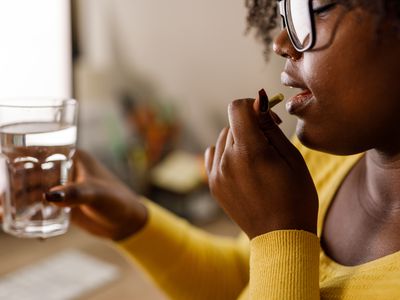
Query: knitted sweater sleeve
x,y
284,264
185,262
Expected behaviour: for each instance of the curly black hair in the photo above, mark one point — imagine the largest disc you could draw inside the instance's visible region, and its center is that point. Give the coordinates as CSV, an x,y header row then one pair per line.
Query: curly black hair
x,y
263,16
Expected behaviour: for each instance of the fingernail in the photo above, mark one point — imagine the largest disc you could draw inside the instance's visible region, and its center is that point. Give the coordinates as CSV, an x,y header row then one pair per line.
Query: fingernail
x,y
56,196
263,100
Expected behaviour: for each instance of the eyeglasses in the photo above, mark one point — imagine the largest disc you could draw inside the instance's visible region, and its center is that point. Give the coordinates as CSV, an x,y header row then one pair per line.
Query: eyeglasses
x,y
298,19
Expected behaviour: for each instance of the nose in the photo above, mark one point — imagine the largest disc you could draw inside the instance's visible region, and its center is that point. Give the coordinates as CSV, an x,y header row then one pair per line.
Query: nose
x,y
284,47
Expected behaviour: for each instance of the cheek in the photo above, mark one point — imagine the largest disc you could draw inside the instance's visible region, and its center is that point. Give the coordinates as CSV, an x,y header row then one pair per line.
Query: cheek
x,y
351,113
341,57
325,80
336,122
355,82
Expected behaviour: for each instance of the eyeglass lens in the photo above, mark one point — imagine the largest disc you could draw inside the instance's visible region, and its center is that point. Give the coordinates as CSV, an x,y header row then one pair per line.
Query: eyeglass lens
x,y
299,22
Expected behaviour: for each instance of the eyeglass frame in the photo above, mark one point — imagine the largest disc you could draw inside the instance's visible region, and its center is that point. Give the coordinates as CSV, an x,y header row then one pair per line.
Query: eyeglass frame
x,y
283,12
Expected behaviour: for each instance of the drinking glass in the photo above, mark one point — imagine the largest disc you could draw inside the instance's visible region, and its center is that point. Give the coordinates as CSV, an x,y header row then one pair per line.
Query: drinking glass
x,y
37,145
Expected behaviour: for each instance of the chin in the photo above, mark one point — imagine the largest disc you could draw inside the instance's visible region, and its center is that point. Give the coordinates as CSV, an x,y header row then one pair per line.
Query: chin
x,y
325,141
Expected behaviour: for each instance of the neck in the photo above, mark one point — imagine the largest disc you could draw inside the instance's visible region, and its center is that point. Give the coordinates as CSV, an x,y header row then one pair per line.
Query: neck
x,y
380,180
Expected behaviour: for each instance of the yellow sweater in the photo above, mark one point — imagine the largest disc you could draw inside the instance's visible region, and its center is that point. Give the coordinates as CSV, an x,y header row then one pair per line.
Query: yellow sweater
x,y
189,264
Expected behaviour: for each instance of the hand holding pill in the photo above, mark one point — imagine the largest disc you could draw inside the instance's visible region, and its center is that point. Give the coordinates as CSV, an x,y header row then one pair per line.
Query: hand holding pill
x,y
256,174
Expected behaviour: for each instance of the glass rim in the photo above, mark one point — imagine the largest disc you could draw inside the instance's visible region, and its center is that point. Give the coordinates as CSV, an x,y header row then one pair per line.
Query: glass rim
x,y
41,102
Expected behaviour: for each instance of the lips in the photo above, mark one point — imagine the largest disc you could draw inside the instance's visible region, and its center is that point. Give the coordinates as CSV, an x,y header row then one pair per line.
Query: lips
x,y
299,102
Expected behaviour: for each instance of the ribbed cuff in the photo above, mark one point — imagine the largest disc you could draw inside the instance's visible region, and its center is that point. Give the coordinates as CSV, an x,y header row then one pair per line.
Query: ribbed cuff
x,y
284,264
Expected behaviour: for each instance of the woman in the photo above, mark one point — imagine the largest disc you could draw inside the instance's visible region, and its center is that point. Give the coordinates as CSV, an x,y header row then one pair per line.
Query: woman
x,y
344,59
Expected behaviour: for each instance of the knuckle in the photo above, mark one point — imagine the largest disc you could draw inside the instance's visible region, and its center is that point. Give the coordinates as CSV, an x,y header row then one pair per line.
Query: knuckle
x,y
215,176
73,192
243,151
81,153
212,181
222,133
225,166
83,156
208,155
251,158
207,152
239,103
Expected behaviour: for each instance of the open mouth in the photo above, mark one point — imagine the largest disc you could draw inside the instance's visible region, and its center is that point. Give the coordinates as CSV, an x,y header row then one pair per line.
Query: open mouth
x,y
302,100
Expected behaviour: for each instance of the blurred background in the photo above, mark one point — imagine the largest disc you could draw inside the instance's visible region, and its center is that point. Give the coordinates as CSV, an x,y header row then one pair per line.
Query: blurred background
x,y
153,79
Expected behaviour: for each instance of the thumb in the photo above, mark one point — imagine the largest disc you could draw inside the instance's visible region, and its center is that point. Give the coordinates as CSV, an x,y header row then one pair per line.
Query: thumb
x,y
71,194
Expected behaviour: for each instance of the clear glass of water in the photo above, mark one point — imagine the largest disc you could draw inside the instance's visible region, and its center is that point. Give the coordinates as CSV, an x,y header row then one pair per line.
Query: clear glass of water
x,y
37,145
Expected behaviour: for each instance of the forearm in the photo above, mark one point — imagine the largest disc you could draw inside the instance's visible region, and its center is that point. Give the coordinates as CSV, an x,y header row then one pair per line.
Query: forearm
x,y
186,262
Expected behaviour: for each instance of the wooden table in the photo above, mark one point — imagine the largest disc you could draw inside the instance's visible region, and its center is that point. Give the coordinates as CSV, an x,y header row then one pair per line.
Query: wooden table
x,y
132,283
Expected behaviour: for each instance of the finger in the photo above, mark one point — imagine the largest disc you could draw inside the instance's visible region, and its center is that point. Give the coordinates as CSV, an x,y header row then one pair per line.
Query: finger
x,y
81,219
229,140
220,147
276,118
268,123
71,194
82,165
256,105
275,135
87,165
262,104
2,199
209,158
244,123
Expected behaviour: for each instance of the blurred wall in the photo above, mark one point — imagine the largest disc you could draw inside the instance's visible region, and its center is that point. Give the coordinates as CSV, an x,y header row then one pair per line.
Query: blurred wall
x,y
195,53
35,52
